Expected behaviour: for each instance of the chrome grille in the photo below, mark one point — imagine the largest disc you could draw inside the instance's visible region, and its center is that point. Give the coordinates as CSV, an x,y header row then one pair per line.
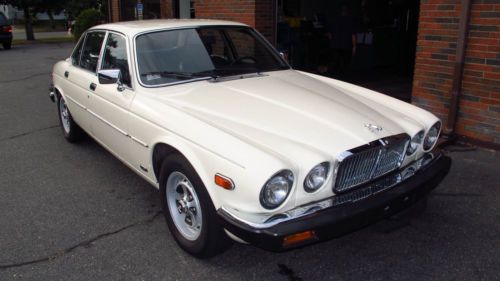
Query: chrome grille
x,y
370,162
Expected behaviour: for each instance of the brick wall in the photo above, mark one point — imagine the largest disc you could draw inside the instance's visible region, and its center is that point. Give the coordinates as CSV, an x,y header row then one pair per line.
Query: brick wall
x,y
255,13
479,107
167,9
265,18
115,10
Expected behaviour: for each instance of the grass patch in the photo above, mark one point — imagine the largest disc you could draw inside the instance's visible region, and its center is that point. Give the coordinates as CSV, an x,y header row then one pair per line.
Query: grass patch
x,y
43,40
44,26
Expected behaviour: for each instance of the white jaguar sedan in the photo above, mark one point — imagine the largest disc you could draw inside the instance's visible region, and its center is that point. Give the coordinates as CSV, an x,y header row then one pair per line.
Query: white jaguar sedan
x,y
239,144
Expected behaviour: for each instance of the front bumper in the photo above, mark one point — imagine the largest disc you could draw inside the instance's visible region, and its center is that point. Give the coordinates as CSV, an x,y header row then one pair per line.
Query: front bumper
x,y
345,218
52,93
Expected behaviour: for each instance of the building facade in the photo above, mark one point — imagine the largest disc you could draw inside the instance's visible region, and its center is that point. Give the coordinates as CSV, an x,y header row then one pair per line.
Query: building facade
x,y
449,48
446,27
256,13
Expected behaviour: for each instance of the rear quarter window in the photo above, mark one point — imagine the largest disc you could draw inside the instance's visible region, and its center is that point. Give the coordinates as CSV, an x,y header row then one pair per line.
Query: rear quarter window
x,y
75,57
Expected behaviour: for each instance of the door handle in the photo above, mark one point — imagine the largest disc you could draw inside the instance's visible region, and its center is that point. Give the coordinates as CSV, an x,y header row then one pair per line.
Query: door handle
x,y
92,86
66,74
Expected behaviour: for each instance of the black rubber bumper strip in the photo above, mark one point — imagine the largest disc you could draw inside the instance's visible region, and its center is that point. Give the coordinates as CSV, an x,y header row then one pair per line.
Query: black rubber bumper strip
x,y
340,220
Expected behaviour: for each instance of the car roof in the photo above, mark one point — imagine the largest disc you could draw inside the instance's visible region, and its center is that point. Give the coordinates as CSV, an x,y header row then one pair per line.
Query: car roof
x,y
132,28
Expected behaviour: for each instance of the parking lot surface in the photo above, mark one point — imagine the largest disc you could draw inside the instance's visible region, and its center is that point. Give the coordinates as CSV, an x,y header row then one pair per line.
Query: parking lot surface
x,y
74,212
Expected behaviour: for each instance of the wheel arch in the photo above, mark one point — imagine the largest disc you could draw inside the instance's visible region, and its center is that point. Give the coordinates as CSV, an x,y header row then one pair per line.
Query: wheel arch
x,y
159,152
59,92
166,146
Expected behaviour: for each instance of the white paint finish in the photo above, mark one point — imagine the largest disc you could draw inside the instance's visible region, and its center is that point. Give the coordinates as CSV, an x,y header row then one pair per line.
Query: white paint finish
x,y
132,28
246,129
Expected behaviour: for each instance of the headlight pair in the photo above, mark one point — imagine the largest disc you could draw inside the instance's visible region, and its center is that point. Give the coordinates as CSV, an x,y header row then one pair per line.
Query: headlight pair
x,y
428,142
278,187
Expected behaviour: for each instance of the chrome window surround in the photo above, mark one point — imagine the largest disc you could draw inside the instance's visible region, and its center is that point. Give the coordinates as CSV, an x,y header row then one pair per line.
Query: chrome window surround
x,y
260,36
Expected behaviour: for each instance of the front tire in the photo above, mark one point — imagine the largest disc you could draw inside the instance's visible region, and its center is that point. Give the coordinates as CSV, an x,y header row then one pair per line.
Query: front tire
x,y
188,209
72,132
7,45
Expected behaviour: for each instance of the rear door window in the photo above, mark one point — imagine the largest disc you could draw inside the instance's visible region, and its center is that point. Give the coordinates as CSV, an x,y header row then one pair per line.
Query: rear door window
x,y
91,51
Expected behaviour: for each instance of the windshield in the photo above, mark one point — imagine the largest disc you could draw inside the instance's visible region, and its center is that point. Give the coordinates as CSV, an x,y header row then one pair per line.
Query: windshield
x,y
173,56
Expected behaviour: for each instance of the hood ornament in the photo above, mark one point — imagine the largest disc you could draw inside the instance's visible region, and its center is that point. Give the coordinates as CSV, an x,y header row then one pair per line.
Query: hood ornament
x,y
373,128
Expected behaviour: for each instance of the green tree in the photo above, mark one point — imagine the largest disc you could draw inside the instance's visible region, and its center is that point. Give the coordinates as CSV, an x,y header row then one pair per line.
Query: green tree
x,y
74,7
52,7
85,20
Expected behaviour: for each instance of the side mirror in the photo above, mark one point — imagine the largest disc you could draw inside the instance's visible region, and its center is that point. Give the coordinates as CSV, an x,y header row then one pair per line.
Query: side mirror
x,y
111,76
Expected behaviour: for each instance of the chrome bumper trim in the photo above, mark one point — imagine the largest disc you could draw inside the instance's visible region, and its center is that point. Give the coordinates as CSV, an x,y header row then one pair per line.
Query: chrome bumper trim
x,y
356,195
52,93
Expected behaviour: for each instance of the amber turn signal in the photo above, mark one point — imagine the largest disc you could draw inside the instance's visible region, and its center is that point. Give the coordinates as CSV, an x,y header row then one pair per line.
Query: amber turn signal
x,y
224,182
299,238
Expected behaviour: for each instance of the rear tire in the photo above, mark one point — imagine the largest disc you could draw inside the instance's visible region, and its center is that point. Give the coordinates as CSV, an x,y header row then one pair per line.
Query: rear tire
x,y
72,132
7,45
188,209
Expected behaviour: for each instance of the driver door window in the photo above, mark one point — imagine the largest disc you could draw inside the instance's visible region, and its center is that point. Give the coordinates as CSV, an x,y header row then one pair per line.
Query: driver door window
x,y
91,51
115,57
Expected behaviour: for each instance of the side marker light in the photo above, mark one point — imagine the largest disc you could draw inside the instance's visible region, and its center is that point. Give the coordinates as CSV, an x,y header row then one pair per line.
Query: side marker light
x,y
224,182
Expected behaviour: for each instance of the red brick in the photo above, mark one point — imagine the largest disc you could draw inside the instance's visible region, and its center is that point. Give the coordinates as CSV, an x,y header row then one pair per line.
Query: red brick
x,y
256,13
435,61
492,75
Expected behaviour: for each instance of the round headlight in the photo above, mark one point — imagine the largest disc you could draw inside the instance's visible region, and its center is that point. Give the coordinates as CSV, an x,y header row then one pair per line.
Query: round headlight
x,y
276,189
432,136
316,177
415,143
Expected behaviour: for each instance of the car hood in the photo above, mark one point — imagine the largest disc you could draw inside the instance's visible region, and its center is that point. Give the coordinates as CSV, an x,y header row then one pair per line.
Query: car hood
x,y
288,111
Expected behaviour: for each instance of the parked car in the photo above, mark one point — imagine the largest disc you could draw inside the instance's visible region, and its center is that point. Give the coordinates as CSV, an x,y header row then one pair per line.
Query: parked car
x,y
239,144
5,32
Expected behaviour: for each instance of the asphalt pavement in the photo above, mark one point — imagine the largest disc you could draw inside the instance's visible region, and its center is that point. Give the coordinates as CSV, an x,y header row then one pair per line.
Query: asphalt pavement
x,y
74,212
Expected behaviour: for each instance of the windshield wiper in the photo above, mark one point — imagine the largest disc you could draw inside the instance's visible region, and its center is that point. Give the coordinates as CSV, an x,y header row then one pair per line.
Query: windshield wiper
x,y
209,73
181,75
